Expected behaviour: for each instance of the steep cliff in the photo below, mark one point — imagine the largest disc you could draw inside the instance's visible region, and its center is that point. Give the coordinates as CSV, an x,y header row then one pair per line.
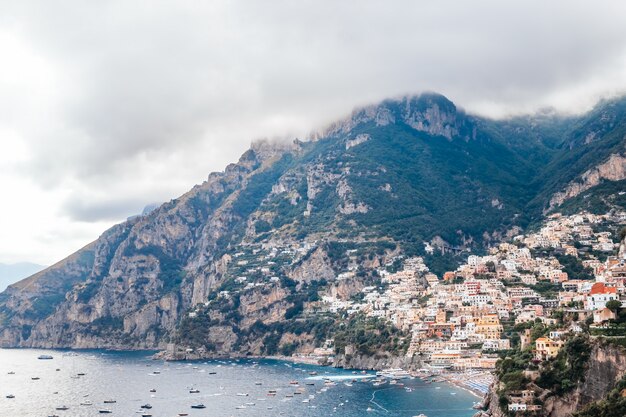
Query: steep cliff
x,y
606,367
603,370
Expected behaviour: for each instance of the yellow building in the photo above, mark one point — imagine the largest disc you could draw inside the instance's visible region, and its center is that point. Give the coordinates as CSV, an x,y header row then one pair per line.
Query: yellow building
x,y
489,326
546,348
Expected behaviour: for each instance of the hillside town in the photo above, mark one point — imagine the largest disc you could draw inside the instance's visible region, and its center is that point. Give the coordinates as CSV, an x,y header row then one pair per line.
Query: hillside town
x,y
460,321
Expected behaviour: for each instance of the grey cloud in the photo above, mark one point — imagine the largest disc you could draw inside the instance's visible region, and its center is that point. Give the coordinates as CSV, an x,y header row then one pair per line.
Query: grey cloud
x,y
164,92
108,210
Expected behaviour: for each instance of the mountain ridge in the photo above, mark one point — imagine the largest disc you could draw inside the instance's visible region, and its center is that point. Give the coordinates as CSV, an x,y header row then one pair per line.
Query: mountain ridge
x,y
391,178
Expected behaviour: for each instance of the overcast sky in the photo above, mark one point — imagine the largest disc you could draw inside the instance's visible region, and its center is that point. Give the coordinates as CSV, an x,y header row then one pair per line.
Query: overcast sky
x,y
106,106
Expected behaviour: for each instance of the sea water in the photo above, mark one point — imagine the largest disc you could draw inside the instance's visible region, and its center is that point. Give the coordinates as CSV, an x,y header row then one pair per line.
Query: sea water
x,y
227,388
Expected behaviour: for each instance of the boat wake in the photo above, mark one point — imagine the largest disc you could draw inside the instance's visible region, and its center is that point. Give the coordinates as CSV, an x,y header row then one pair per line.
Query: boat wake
x,y
373,400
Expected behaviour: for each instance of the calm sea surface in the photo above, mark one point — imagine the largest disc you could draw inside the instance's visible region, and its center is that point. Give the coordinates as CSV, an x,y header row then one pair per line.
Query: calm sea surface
x,y
129,377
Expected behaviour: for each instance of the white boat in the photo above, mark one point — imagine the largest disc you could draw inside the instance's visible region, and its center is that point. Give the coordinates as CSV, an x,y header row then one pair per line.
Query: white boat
x,y
395,373
62,408
44,357
86,403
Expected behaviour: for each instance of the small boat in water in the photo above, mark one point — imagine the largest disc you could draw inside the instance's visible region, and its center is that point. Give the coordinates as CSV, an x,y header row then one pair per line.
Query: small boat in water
x,y
44,357
105,411
62,408
86,403
146,406
110,401
194,391
198,406
153,390
35,378
10,396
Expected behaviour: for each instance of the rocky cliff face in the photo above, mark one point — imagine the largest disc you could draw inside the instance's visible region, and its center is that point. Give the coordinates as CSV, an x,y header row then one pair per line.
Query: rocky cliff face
x,y
430,113
605,368
607,365
377,362
613,169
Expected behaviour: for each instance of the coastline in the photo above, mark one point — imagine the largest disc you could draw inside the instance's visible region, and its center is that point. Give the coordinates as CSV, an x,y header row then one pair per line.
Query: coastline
x,y
460,380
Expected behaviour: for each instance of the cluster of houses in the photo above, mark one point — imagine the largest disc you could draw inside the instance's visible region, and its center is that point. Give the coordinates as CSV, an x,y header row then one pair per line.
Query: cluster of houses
x,y
456,321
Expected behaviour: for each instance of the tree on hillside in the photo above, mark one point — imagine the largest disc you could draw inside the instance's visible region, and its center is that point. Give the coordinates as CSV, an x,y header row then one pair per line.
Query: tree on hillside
x,y
614,305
